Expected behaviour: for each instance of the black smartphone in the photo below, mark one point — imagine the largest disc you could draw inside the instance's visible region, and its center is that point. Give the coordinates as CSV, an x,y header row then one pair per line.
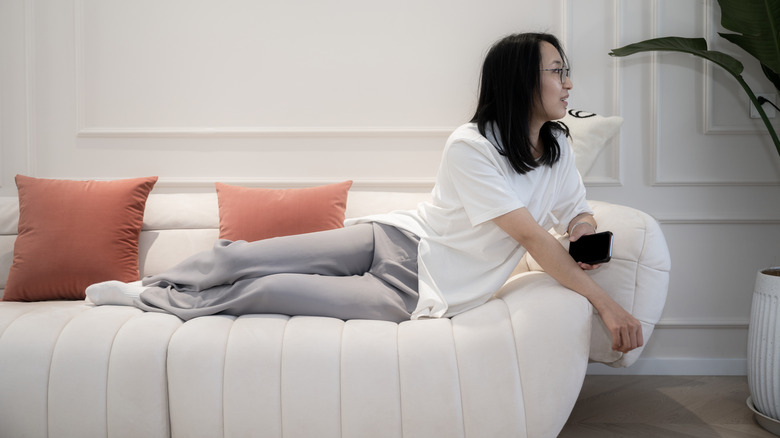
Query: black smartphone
x,y
592,248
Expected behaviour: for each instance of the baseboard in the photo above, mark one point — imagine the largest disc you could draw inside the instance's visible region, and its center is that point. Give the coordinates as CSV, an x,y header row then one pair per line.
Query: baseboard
x,y
676,367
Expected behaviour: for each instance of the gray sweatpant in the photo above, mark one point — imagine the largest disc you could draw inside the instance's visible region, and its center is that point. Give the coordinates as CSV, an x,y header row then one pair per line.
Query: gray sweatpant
x,y
365,271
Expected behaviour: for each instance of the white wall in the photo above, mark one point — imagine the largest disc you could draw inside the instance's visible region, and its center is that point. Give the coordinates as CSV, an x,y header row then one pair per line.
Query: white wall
x,y
264,93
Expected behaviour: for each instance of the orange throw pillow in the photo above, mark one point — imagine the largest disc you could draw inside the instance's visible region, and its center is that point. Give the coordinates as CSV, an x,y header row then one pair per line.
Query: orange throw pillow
x,y
73,234
256,213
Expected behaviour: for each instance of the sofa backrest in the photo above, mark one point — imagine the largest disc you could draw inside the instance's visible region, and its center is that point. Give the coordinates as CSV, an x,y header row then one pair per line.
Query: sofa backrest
x,y
181,224
9,220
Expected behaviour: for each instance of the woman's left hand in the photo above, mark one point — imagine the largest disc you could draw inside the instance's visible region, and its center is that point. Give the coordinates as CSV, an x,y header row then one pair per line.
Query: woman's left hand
x,y
582,228
587,267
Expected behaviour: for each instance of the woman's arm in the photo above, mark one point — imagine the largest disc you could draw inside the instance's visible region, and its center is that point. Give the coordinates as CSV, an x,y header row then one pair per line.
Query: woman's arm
x,y
552,257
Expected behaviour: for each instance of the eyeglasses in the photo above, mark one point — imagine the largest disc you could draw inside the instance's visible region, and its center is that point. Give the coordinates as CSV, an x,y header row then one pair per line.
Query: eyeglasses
x,y
564,73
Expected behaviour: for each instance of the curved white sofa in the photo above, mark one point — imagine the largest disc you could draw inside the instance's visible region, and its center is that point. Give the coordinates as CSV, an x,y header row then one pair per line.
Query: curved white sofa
x,y
510,368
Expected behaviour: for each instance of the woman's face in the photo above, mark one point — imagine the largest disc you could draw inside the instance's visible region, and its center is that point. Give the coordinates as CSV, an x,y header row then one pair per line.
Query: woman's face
x,y
554,93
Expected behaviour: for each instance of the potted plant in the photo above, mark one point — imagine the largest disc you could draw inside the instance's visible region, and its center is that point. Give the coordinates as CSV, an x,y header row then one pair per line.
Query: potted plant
x,y
756,29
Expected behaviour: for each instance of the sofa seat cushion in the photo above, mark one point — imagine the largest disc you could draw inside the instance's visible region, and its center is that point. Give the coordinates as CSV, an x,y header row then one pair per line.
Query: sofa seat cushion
x,y
83,370
502,369
80,370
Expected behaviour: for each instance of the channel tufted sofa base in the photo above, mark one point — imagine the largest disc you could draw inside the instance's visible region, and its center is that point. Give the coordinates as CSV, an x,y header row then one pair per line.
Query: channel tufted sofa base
x,y
512,367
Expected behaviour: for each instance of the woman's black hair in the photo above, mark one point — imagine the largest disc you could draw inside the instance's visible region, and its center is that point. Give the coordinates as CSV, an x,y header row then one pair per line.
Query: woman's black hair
x,y
510,83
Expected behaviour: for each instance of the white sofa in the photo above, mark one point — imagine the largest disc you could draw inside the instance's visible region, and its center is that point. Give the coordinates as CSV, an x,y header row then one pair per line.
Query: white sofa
x,y
510,368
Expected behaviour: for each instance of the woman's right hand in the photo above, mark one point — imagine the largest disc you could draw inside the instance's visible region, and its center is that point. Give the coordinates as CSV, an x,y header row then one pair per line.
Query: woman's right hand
x,y
625,329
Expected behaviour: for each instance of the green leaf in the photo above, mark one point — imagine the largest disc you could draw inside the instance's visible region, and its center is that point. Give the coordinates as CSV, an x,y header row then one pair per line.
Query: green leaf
x,y
773,77
757,27
758,21
693,46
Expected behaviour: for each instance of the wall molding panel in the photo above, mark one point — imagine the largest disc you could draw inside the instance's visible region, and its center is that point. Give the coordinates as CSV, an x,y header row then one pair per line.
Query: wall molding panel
x,y
3,143
87,129
706,323
729,183
714,42
676,366
265,132
406,184
609,161
654,106
268,94
601,181
694,220
31,136
715,138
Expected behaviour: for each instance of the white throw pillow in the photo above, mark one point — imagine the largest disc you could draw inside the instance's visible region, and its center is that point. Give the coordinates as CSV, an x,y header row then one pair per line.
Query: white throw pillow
x,y
589,134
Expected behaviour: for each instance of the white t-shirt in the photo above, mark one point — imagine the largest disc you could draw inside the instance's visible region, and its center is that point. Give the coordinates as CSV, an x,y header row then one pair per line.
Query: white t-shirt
x,y
464,257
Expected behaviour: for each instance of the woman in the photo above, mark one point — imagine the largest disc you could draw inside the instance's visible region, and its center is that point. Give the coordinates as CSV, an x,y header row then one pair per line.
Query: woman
x,y
505,179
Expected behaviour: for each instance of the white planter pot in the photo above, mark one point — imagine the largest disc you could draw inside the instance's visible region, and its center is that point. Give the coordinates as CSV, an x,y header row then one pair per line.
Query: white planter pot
x,y
763,350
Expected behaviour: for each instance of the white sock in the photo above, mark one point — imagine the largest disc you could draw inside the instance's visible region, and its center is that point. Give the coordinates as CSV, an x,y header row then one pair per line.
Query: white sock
x,y
114,292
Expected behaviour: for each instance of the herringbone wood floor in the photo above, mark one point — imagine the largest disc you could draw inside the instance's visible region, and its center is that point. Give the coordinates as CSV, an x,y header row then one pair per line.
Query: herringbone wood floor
x,y
663,407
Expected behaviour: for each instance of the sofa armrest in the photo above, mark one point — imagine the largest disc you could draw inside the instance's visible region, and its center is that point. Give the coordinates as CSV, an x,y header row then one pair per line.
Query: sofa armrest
x,y
637,277
551,327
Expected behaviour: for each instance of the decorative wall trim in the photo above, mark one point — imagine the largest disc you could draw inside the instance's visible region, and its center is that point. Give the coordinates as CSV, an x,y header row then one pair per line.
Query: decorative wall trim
x,y
710,323
78,62
709,126
85,131
304,131
676,367
616,169
671,183
3,145
615,179
421,184
712,128
30,88
602,181
703,323
566,22
717,221
655,106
